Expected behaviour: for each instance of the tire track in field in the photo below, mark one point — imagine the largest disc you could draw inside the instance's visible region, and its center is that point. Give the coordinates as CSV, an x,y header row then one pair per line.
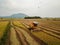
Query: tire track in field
x,y
51,27
16,37
48,31
31,37
47,28
51,30
47,24
21,37
57,32
28,38
13,38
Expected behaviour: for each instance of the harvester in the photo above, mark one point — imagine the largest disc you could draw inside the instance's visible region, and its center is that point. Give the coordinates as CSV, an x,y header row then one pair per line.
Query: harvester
x,y
33,25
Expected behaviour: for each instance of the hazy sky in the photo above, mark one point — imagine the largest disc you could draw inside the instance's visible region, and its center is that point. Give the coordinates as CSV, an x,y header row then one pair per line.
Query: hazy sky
x,y
43,8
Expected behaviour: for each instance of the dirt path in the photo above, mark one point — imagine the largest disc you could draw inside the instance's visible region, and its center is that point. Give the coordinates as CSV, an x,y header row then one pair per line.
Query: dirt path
x,y
13,38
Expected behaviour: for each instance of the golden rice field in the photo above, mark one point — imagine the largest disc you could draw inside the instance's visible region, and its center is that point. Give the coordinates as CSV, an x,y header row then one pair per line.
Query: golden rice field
x,y
3,25
47,33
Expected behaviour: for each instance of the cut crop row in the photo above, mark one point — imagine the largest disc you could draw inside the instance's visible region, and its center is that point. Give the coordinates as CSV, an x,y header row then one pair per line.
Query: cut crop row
x,y
36,38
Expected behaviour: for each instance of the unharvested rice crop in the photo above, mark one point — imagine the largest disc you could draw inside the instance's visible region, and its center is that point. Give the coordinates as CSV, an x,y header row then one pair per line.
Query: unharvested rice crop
x,y
3,26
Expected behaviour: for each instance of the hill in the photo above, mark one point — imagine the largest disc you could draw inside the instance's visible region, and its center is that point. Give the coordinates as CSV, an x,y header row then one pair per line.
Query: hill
x,y
18,15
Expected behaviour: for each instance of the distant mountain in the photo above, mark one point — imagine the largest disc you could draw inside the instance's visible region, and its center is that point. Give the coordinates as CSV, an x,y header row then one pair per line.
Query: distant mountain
x,y
18,15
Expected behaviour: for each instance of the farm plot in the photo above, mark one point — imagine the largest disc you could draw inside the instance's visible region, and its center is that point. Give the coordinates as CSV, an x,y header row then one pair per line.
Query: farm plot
x,y
31,39
48,33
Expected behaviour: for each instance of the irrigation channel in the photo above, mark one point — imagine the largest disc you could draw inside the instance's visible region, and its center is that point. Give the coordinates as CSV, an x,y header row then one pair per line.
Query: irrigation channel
x,y
20,36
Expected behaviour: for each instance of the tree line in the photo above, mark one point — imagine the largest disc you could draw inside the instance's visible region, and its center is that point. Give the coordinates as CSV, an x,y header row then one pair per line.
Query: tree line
x,y
35,17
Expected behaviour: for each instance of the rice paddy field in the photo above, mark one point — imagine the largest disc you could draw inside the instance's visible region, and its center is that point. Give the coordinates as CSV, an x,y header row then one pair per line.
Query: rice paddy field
x,y
3,25
47,32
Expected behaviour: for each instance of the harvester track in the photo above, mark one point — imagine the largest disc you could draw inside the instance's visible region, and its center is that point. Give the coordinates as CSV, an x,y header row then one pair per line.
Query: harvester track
x,y
48,30
37,40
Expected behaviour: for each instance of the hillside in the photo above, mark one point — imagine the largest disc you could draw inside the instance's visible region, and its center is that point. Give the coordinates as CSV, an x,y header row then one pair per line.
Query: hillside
x,y
18,15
